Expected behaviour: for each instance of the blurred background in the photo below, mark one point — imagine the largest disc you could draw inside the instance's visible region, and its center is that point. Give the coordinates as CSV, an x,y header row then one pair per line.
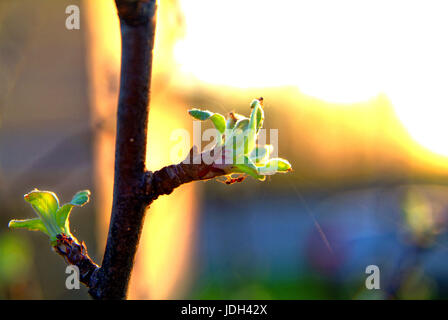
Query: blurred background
x,y
357,90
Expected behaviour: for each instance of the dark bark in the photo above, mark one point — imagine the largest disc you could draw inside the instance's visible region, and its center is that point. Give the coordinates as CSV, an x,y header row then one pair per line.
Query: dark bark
x,y
137,22
165,180
76,254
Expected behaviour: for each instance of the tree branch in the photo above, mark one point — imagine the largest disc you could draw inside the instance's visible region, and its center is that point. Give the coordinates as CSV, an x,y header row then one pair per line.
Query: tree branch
x,y
135,188
137,21
193,168
76,254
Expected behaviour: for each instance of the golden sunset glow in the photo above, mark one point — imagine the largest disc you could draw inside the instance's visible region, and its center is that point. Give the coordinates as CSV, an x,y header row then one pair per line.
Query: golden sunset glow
x,y
244,149
338,51
163,260
353,58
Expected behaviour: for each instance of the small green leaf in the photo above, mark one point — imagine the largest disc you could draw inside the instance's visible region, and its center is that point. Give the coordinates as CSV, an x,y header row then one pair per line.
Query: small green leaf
x,y
275,165
81,198
30,224
218,119
200,114
258,110
53,220
256,116
252,130
283,165
260,155
78,200
63,214
45,204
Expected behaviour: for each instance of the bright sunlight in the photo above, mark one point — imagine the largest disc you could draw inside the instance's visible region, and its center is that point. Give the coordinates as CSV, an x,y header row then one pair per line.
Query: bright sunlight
x,y
338,51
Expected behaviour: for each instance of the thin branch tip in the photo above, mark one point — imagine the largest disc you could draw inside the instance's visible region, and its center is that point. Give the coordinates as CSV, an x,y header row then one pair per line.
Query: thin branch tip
x,y
75,253
192,168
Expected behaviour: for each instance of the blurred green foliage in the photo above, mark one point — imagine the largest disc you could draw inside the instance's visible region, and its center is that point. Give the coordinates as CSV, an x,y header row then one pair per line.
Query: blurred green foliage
x,y
15,258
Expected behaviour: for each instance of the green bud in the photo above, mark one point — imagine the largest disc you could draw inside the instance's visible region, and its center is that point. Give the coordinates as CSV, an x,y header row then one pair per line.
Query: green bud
x,y
239,140
52,219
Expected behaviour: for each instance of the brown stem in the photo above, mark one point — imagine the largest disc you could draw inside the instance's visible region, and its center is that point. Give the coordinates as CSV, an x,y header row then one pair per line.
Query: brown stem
x,y
76,254
193,168
137,21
